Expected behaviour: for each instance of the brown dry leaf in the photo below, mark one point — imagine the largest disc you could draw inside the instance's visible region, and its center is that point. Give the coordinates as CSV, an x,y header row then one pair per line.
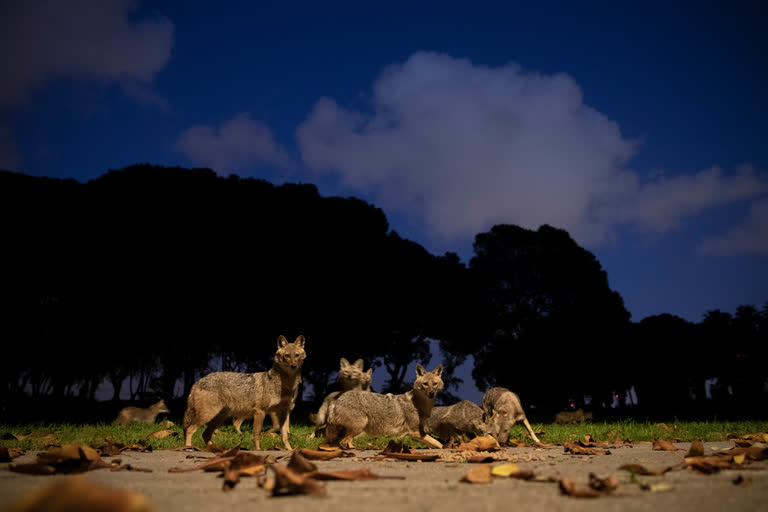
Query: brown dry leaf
x,y
642,470
80,494
213,464
352,474
168,423
162,434
325,447
478,475
752,453
568,487
8,454
480,444
243,464
480,459
128,467
708,465
288,482
577,449
697,449
662,445
70,458
324,455
516,443
214,448
606,485
665,427
397,450
299,464
395,447
741,443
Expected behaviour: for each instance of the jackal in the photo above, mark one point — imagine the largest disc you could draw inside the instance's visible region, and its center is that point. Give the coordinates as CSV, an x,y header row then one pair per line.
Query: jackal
x,y
351,377
502,409
140,415
576,417
464,417
355,412
221,395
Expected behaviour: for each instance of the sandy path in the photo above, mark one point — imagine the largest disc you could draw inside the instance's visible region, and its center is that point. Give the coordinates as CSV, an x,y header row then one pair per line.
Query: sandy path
x,y
434,485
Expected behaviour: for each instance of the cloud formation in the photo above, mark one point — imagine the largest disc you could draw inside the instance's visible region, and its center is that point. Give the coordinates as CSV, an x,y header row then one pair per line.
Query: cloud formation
x,y
80,39
238,143
469,146
751,237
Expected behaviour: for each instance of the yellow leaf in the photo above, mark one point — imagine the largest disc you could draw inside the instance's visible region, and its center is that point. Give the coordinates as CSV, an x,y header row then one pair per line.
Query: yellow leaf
x,y
739,459
505,470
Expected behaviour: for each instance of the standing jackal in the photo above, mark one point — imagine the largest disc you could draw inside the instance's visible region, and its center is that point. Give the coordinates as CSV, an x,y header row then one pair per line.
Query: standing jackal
x,y
351,377
355,412
140,415
221,395
502,409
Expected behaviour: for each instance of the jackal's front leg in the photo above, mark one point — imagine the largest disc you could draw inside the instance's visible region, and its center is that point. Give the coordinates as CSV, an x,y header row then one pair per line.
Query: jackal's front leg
x,y
285,427
258,421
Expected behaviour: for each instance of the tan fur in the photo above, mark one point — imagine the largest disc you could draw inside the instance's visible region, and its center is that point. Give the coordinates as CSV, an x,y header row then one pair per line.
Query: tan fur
x,y
355,412
502,409
221,395
140,415
461,418
351,377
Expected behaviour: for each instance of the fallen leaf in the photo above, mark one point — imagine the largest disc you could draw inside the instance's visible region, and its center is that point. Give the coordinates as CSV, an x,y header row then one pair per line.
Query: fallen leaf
x,y
168,424
8,454
606,485
352,474
478,475
739,459
327,447
397,450
80,494
642,470
568,487
740,480
128,467
505,470
288,482
299,464
665,427
480,444
516,443
162,434
577,449
70,458
213,464
659,487
480,459
662,445
242,464
697,449
324,455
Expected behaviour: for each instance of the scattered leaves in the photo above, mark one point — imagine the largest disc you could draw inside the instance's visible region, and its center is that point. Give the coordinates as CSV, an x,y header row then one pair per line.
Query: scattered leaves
x,y
162,434
8,454
604,485
242,464
288,482
352,474
396,450
70,458
578,449
568,487
324,455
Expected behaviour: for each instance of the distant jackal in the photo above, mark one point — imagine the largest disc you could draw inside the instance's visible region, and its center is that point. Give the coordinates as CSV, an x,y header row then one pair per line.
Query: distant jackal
x,y
140,415
502,409
355,412
221,395
351,377
576,417
464,417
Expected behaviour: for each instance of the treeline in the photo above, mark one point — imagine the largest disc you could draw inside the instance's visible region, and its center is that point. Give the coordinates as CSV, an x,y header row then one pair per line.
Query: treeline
x,y
153,276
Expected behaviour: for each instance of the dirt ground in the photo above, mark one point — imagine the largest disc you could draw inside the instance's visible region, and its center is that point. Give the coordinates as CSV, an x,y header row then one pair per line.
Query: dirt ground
x,y
434,485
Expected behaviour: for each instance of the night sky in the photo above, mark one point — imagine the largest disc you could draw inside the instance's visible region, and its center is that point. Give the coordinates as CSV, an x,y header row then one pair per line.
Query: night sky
x,y
639,129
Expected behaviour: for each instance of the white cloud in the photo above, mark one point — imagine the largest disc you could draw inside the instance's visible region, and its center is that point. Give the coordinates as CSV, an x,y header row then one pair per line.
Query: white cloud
x,y
468,146
79,39
238,143
751,237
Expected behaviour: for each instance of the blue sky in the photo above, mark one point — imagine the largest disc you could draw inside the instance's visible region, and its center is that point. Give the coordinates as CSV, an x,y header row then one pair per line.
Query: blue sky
x,y
641,129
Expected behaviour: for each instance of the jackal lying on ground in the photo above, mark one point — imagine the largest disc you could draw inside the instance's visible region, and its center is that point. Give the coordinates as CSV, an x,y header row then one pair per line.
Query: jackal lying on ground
x,y
351,377
576,417
464,417
140,415
221,395
355,412
502,409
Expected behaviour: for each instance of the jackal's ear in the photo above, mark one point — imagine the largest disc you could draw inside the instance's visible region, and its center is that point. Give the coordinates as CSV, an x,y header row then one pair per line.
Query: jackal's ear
x,y
420,370
438,370
300,340
359,363
281,341
343,362
369,372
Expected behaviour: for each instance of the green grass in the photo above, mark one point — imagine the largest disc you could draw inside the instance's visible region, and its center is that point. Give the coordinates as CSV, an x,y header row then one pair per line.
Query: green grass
x,y
95,434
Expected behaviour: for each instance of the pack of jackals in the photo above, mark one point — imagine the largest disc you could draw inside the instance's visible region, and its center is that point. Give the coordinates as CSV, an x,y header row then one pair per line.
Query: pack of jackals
x,y
347,413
